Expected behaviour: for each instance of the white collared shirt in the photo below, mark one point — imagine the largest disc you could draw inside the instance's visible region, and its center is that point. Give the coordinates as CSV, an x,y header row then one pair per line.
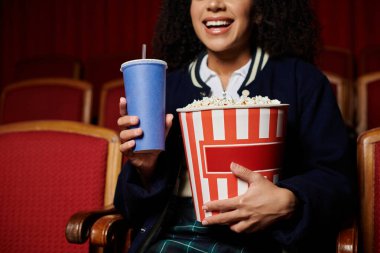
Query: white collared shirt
x,y
213,81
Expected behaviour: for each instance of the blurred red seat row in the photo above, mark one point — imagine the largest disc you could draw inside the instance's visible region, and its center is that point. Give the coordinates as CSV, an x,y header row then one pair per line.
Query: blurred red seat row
x,y
96,70
356,97
60,99
356,86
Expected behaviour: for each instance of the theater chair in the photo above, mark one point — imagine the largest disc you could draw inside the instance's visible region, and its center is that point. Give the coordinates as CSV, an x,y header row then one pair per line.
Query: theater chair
x,y
51,171
366,236
368,102
338,65
46,99
109,103
369,185
343,90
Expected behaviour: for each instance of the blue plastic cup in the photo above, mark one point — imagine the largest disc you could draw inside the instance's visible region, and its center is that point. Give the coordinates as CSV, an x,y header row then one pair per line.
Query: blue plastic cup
x,y
145,88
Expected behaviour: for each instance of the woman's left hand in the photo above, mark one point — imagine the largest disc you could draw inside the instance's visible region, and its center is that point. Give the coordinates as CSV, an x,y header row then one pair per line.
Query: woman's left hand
x,y
263,204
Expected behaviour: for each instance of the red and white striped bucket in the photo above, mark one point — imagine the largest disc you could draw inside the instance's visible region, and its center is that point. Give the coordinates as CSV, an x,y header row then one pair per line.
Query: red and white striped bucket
x,y
213,138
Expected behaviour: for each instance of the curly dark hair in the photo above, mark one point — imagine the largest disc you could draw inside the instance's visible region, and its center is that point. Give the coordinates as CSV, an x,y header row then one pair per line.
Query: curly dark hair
x,y
282,28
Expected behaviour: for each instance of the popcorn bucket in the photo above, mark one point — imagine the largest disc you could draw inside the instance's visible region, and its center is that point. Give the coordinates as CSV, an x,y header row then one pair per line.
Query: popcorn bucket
x,y
214,137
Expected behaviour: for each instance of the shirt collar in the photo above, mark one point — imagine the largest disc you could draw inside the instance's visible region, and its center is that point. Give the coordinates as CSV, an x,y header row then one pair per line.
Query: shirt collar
x,y
258,62
206,73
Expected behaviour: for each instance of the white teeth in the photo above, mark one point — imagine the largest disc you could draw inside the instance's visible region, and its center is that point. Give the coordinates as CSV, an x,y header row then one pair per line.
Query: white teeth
x,y
217,23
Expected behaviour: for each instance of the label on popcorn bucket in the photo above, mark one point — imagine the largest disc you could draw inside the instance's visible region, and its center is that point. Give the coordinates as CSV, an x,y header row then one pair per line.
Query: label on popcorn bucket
x,y
216,132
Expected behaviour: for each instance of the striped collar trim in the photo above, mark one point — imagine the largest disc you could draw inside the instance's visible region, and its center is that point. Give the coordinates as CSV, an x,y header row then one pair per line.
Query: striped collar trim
x,y
260,59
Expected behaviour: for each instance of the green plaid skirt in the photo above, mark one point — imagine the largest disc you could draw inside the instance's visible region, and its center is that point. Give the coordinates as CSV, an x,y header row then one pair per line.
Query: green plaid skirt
x,y
182,233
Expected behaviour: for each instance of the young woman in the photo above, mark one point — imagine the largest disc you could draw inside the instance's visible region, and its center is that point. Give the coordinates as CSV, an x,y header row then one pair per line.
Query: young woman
x,y
229,48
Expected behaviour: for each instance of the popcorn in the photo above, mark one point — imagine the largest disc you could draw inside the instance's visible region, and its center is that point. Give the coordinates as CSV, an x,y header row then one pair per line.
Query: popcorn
x,y
222,102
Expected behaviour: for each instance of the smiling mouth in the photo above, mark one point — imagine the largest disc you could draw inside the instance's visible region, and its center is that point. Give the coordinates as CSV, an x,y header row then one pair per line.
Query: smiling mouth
x,y
217,23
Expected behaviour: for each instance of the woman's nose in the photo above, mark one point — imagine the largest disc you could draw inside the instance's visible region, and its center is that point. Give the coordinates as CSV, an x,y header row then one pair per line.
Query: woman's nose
x,y
216,5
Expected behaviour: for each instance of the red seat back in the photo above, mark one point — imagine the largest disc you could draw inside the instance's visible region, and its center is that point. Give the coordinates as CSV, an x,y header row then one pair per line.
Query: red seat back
x,y
48,98
368,101
49,171
338,65
109,103
343,91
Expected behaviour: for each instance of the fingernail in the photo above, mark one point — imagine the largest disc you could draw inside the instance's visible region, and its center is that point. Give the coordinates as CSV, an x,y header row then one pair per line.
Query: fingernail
x,y
131,143
233,165
204,207
204,222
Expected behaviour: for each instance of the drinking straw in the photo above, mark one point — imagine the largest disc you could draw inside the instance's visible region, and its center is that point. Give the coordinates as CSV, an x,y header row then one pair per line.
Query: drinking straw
x,y
144,51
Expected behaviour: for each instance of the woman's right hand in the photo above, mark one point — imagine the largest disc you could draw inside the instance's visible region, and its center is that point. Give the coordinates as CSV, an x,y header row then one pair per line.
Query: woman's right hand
x,y
144,162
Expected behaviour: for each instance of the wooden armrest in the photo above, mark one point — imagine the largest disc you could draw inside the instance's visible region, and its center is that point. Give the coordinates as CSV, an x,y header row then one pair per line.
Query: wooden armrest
x,y
347,240
79,224
111,231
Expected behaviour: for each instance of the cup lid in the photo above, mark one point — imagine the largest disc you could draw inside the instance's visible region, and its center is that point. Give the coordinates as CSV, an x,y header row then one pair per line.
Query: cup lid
x,y
142,61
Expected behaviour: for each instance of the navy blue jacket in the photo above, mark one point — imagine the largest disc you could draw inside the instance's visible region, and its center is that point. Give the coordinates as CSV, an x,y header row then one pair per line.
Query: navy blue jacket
x,y
316,167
